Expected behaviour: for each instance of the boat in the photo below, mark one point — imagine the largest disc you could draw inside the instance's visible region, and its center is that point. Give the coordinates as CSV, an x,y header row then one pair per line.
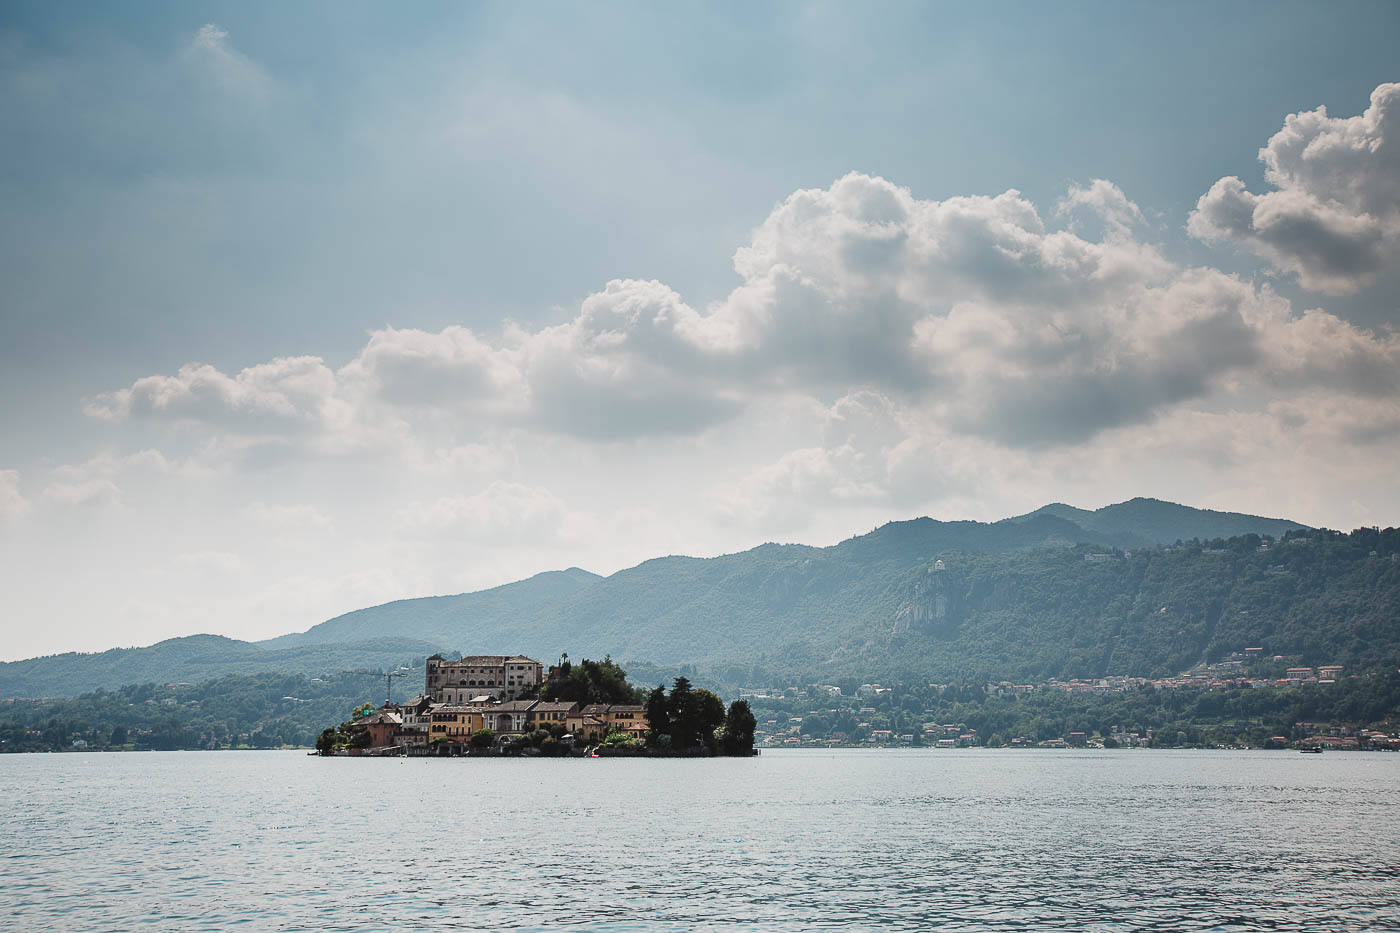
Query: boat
x,y
1311,750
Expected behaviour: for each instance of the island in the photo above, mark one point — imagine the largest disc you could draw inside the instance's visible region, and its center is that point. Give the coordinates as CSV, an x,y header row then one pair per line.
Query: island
x,y
508,705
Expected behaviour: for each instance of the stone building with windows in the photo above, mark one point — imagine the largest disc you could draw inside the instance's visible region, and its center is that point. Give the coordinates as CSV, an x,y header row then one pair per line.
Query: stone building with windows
x,y
496,676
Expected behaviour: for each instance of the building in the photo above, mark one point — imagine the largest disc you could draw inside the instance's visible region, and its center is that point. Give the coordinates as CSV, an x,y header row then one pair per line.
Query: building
x,y
498,676
586,726
510,717
628,719
382,727
544,715
454,723
414,714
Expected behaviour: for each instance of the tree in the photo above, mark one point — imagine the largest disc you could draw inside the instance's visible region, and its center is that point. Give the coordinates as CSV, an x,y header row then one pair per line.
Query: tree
x,y
590,682
685,715
739,725
483,738
709,715
658,715
325,742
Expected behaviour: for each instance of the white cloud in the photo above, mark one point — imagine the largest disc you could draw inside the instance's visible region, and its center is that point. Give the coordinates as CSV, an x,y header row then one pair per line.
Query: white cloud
x,y
503,512
12,502
969,310
93,493
231,70
297,517
1104,200
1333,218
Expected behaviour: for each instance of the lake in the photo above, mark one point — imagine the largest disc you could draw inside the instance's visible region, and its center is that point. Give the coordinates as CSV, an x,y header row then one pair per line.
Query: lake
x,y
917,839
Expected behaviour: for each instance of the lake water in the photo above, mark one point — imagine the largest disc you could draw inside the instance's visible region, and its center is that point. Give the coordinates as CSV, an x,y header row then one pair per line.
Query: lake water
x,y
793,840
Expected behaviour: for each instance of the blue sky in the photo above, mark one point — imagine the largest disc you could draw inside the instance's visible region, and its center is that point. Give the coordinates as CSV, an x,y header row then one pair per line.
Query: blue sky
x,y
234,185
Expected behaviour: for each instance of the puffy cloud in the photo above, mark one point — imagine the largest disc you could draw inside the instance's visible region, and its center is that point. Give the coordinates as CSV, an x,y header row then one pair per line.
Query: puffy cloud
x,y
288,393
12,502
968,311
1333,218
1104,200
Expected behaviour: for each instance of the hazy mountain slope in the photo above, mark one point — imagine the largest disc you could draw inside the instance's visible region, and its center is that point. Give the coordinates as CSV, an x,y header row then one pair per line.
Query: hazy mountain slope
x,y
775,601
1140,522
1032,615
441,619
197,658
1016,599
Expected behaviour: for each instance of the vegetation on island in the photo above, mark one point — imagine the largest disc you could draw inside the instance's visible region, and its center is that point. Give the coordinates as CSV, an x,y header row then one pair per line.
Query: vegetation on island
x,y
693,720
589,682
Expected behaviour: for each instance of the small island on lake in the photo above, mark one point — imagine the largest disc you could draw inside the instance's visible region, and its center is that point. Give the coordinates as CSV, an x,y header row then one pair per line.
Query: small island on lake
x,y
499,705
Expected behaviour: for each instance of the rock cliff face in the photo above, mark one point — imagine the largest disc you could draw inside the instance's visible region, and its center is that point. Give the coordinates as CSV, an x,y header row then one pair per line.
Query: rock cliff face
x,y
931,604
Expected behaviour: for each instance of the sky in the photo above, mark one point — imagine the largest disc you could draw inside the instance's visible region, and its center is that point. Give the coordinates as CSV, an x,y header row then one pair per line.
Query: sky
x,y
307,308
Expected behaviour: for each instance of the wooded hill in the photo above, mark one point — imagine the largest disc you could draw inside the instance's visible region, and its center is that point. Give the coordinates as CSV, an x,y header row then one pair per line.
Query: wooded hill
x,y
1047,594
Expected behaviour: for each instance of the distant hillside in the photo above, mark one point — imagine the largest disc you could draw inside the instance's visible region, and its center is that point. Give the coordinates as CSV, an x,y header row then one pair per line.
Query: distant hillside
x,y
1016,599
446,619
197,658
1142,522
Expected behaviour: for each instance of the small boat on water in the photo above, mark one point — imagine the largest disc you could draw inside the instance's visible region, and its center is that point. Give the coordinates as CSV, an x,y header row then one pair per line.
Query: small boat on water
x,y
1311,750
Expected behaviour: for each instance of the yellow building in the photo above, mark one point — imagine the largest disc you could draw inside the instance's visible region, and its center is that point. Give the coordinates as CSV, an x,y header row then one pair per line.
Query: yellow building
x,y
454,723
545,715
629,719
586,727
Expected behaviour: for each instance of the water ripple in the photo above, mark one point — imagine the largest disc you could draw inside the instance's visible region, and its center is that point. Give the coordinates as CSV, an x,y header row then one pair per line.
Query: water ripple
x,y
920,840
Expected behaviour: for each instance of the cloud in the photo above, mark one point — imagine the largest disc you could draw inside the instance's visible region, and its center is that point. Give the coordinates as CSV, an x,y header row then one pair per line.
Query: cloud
x,y
968,311
503,512
231,70
1105,201
1333,218
95,493
12,502
298,517
222,563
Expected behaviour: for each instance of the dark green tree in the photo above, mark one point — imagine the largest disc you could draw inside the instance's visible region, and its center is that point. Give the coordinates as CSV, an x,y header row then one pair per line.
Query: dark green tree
x,y
658,715
684,713
325,742
709,715
739,725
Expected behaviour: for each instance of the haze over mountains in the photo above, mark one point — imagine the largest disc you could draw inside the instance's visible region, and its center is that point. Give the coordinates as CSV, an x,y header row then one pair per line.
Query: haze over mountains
x,y
864,606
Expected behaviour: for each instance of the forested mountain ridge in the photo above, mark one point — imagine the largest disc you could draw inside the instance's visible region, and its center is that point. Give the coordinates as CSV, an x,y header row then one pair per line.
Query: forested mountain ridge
x,y
197,658
1142,522
1017,599
438,618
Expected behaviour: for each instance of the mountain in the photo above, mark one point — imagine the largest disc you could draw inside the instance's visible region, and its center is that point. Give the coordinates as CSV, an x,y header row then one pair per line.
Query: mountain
x,y
1144,522
196,658
445,619
1015,598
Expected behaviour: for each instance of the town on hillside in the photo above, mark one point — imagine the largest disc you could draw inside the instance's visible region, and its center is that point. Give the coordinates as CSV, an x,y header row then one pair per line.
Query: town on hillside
x,y
501,704
1245,700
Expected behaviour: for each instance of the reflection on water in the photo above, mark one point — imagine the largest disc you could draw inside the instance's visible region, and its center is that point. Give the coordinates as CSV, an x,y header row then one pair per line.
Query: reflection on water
x,y
796,840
